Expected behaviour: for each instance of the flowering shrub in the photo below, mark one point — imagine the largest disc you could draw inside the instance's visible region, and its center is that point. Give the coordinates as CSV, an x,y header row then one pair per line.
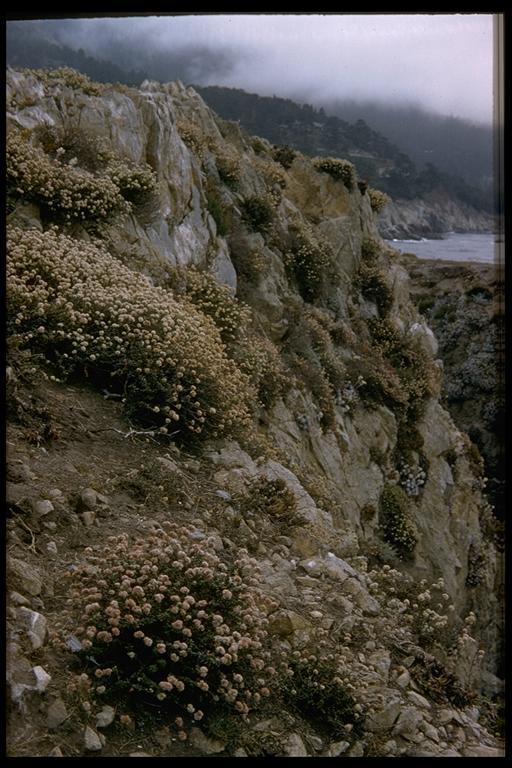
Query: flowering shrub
x,y
410,362
273,499
412,479
217,210
87,311
69,77
165,623
378,199
228,166
135,182
272,174
317,691
212,299
340,170
259,145
373,284
258,213
192,135
62,191
308,260
370,249
477,563
284,155
259,359
395,521
376,381
427,610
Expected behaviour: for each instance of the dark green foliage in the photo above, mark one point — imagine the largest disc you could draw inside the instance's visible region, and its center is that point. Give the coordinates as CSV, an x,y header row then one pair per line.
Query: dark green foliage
x,y
409,438
476,565
380,383
284,155
257,213
318,694
76,143
310,261
273,499
409,360
395,521
372,282
217,211
370,249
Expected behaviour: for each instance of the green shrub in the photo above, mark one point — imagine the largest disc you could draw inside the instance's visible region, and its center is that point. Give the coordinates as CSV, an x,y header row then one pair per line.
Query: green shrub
x,y
272,499
68,77
72,142
340,170
258,145
395,521
370,249
373,284
284,155
317,692
217,211
192,135
88,312
378,199
376,381
168,628
410,362
228,166
258,213
259,359
309,261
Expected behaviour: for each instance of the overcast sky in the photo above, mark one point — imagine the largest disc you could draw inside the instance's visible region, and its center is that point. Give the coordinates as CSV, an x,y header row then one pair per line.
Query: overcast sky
x,y
442,61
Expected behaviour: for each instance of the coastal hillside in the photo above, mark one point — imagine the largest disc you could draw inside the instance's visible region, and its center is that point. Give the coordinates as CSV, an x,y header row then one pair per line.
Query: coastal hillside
x,y
427,199
240,520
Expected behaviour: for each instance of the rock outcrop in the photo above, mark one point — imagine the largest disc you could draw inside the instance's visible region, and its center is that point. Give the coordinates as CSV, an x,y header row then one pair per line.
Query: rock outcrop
x,y
431,217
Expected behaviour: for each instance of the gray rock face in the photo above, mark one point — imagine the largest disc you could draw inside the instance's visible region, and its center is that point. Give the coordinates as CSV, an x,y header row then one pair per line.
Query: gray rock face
x,y
24,576
105,716
403,219
206,745
294,746
34,625
92,741
57,714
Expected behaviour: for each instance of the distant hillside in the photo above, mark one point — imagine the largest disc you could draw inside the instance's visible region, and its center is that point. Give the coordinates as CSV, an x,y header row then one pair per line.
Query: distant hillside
x,y
459,147
24,48
458,168
314,132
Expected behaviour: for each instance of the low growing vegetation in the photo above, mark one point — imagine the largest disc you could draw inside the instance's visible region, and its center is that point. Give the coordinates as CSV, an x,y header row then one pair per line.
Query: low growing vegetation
x,y
90,314
339,170
395,523
166,627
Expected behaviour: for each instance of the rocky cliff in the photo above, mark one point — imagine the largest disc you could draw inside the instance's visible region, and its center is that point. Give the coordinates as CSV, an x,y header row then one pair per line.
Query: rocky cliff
x,y
464,305
234,495
431,217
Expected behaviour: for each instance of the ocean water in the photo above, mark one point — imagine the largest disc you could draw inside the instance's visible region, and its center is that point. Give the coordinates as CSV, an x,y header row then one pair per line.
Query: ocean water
x,y
453,247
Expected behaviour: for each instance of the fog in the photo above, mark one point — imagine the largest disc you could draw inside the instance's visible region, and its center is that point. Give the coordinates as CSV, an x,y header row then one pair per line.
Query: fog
x,y
443,62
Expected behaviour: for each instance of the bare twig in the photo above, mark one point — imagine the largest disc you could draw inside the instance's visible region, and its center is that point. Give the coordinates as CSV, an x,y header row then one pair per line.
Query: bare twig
x,y
32,545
